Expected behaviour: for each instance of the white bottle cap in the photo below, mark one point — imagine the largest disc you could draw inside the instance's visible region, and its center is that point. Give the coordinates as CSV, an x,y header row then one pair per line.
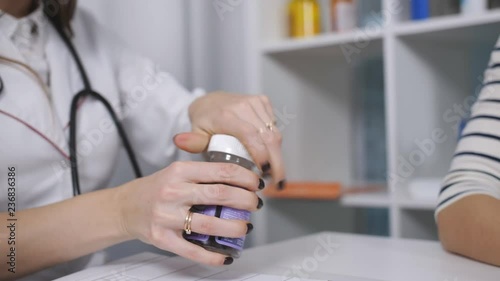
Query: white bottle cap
x,y
228,144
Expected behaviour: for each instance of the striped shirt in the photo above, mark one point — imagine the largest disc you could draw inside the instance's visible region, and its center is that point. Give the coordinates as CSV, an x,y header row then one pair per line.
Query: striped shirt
x,y
475,168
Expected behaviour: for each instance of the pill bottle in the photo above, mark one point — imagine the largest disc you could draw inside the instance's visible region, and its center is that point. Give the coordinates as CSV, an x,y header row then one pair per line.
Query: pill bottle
x,y
223,149
304,18
343,15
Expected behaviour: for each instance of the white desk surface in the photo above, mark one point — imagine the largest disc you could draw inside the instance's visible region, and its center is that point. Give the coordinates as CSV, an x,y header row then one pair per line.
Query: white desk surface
x,y
323,256
367,257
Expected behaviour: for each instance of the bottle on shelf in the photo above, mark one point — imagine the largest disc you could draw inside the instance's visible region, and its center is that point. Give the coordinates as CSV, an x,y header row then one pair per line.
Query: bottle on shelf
x,y
304,18
473,7
343,15
420,9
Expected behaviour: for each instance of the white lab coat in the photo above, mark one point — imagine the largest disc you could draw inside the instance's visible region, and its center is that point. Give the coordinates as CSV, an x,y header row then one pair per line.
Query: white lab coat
x,y
34,133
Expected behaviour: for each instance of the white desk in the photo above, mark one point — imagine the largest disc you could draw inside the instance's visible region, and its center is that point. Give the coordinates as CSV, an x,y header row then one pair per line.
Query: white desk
x,y
369,257
345,257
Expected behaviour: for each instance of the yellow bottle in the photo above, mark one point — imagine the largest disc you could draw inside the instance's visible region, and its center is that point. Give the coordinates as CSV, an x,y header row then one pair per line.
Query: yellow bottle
x,y
304,18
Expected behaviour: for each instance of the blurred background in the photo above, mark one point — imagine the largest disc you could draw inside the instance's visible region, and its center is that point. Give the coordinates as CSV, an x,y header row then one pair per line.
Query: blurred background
x,y
370,96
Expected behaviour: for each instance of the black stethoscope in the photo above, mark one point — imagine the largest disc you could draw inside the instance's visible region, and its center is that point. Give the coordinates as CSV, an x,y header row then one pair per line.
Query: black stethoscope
x,y
87,91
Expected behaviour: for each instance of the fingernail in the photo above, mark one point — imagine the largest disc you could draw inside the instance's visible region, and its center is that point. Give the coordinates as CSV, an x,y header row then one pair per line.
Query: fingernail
x,y
261,203
281,185
228,260
249,227
266,167
262,184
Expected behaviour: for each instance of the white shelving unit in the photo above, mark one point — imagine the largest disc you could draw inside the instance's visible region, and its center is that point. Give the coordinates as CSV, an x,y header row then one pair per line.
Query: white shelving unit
x,y
323,40
428,66
420,70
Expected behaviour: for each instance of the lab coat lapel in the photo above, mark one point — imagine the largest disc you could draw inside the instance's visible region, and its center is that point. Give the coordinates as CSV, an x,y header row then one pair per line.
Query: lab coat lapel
x,y
7,49
24,100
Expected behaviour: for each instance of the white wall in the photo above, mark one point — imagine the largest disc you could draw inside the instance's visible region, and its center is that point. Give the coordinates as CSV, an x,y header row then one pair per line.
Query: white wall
x,y
218,39
156,28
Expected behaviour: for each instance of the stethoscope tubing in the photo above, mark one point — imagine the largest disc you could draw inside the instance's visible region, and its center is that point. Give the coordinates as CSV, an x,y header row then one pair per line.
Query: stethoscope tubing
x,y
87,91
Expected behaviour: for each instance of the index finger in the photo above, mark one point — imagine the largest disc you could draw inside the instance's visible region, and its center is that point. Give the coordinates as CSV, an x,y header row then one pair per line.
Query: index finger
x,y
273,140
226,173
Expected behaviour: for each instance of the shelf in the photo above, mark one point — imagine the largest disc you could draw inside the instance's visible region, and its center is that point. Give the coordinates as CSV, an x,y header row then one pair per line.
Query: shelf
x,y
321,41
367,200
306,190
384,200
405,201
454,27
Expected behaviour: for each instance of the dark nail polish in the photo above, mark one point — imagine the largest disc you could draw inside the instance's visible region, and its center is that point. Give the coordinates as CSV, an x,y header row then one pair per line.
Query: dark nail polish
x,y
261,203
228,261
266,167
281,185
249,227
262,184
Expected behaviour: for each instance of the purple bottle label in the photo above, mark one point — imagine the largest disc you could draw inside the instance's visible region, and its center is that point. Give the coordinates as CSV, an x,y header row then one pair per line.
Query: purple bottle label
x,y
233,214
226,213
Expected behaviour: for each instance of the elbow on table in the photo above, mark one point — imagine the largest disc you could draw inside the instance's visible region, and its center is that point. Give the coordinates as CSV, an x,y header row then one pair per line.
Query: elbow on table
x,y
468,228
448,231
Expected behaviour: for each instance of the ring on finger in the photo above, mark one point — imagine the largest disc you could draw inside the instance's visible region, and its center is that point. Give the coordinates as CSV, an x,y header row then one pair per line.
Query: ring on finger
x,y
187,222
270,126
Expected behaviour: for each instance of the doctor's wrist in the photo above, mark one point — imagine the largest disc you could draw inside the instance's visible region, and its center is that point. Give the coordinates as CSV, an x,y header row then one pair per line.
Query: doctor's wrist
x,y
119,201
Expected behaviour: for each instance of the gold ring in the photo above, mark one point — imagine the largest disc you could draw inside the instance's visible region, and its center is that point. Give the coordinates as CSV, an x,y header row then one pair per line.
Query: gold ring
x,y
187,222
270,126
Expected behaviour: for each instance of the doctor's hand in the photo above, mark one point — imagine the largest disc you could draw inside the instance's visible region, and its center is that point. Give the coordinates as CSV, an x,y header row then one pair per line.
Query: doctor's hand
x,y
249,118
153,209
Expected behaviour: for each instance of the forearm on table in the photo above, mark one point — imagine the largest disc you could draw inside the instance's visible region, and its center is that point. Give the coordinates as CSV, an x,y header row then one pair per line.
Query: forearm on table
x,y
61,232
471,227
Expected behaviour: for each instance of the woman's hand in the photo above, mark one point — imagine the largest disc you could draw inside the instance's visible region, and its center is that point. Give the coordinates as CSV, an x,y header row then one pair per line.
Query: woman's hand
x,y
153,209
249,118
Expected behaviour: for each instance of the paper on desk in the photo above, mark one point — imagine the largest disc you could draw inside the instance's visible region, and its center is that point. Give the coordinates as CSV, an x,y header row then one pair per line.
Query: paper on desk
x,y
148,266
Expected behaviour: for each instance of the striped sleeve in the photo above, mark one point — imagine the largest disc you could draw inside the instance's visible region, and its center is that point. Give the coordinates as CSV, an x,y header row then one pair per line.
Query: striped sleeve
x,y
475,168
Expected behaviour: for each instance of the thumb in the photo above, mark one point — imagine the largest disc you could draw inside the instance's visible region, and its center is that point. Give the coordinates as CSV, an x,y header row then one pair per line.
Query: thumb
x,y
192,142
